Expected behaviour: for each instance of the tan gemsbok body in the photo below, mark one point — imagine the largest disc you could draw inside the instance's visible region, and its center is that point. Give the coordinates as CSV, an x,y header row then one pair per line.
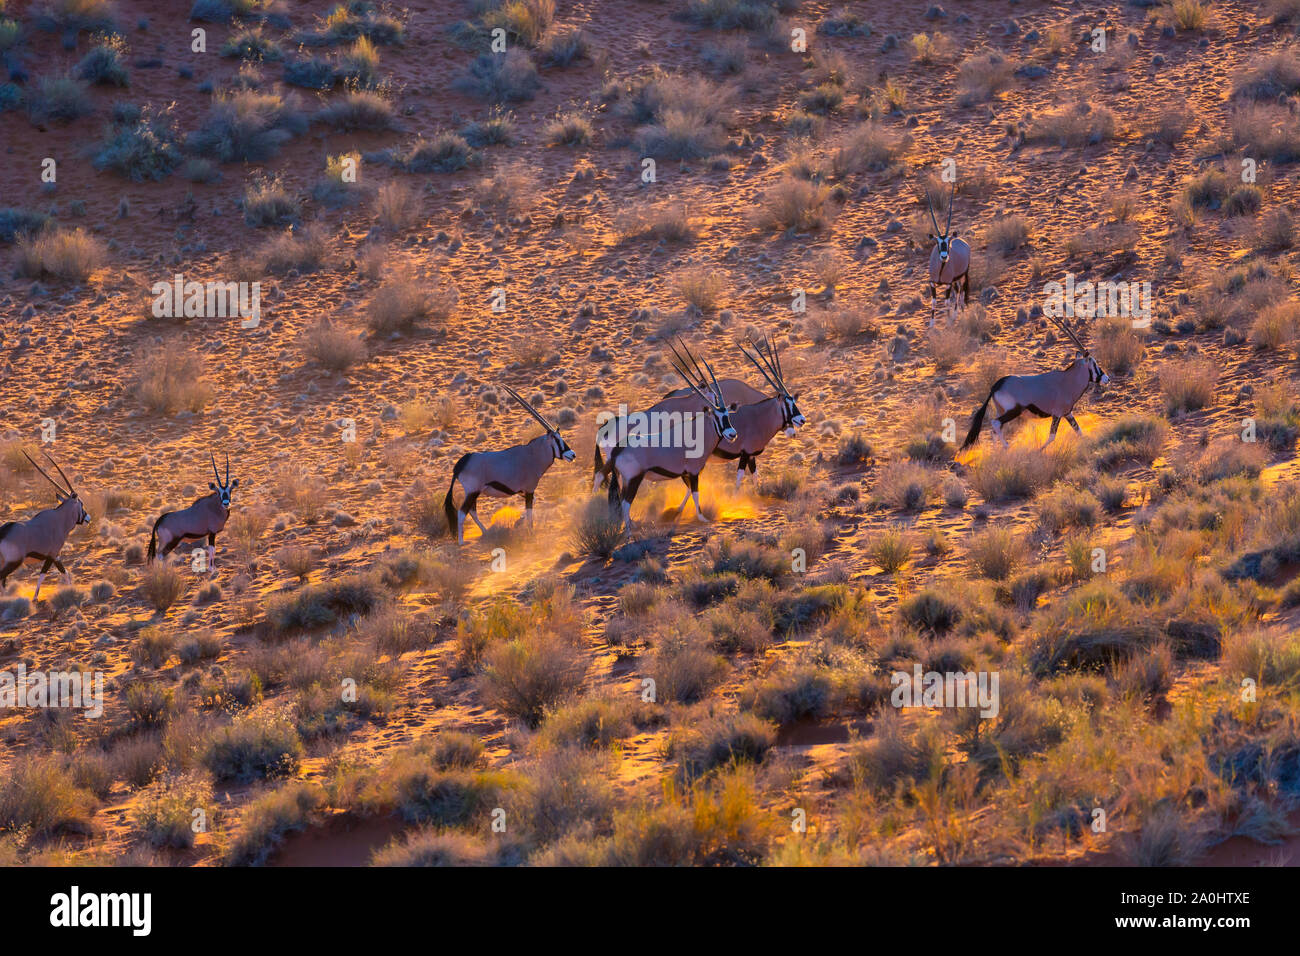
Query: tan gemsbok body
x,y
758,419
735,392
949,263
666,453
503,474
206,518
1048,394
41,537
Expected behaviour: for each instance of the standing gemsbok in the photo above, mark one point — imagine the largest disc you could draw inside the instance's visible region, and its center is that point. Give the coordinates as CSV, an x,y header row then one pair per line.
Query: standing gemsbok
x,y
502,474
41,537
206,518
757,420
949,262
674,447
1048,394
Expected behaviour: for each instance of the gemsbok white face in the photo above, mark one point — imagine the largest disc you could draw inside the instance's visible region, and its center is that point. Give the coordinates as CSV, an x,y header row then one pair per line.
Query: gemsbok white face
x,y
222,488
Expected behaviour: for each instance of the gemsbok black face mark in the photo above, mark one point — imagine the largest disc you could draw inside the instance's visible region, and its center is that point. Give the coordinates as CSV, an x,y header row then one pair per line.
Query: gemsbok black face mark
x,y
665,451
949,262
501,474
1051,394
41,537
206,518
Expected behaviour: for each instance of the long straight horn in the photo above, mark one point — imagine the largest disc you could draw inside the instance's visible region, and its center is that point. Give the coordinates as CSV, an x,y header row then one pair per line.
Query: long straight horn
x,y
929,204
60,471
764,349
761,368
952,194
44,473
227,469
776,360
528,408
696,379
215,474
717,389
699,372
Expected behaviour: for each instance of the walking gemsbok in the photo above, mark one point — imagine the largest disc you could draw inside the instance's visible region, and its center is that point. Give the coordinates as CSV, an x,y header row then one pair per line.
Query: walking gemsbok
x,y
1049,393
673,448
757,419
206,518
949,262
502,474
41,537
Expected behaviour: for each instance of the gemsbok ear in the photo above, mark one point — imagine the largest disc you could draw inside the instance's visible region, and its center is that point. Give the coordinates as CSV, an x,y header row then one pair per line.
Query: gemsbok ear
x,y
953,234
211,486
235,483
733,406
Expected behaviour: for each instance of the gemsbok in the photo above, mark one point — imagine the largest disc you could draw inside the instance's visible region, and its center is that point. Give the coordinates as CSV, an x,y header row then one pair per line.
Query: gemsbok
x,y
681,401
41,536
503,474
1047,394
949,262
674,448
757,419
206,518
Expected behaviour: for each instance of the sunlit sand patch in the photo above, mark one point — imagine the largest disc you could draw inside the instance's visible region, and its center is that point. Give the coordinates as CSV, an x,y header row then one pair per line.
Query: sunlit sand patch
x,y
1031,435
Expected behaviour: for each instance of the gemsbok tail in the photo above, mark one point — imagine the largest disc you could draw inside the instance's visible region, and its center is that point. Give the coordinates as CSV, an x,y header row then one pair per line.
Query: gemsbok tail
x,y
153,539
448,506
978,421
598,462
612,475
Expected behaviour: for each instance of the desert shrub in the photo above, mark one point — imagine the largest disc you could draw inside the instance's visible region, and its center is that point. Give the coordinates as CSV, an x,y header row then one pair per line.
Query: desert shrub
x,y
529,675
161,586
359,109
17,223
1067,507
70,254
332,347
103,65
59,99
445,152
794,204
904,486
248,126
268,203
684,667
318,605
507,78
169,378
1077,125
982,76
1271,77
396,206
432,847
1018,472
164,813
721,742
1188,385
891,550
258,745
995,552
269,817
38,794
791,695
1276,326
145,149
1267,130
1118,348
568,128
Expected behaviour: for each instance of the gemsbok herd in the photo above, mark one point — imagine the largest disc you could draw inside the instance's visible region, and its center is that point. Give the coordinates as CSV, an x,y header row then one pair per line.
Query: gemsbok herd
x,y
672,439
